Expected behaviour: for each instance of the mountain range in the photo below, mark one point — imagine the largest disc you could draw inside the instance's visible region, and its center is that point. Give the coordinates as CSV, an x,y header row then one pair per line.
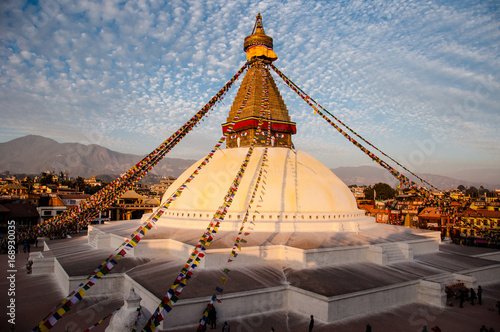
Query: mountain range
x,y
370,175
34,154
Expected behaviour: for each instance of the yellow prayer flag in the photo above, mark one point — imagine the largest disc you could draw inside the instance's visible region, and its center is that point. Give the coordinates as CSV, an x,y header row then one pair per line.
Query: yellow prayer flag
x,y
61,311
42,327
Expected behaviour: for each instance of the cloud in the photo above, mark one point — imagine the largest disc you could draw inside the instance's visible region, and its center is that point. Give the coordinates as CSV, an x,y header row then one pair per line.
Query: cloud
x,y
395,72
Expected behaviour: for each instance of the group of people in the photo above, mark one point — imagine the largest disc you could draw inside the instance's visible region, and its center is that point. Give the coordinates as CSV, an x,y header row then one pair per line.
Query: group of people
x,y
471,295
212,321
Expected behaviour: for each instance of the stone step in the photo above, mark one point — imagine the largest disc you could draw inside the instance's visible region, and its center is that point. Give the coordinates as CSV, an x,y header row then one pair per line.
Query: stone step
x,y
393,253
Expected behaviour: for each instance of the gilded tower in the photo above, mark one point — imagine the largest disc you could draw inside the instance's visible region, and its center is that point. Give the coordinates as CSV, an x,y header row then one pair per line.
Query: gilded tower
x,y
259,50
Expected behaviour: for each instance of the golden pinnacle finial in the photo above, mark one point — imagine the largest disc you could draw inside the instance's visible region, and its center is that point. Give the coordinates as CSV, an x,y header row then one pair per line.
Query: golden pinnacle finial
x,y
258,28
258,44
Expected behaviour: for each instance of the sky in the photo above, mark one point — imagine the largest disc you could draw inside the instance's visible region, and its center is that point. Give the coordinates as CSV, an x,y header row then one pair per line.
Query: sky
x,y
420,80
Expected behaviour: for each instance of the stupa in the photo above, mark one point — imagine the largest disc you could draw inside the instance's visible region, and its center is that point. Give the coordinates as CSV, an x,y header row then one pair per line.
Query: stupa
x,y
300,194
307,248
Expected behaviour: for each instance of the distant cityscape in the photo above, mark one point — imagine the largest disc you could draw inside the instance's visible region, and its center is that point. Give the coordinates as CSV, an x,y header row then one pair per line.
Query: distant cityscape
x,y
467,216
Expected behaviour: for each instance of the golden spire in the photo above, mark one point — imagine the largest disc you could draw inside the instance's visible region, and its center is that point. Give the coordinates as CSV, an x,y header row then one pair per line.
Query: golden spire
x,y
259,49
258,44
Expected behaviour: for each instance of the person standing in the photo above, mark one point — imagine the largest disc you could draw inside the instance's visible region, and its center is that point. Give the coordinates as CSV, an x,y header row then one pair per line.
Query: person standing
x,y
226,327
212,316
479,295
472,296
311,323
462,298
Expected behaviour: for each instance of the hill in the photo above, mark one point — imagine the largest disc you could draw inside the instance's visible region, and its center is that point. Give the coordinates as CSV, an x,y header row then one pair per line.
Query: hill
x,y
34,154
369,175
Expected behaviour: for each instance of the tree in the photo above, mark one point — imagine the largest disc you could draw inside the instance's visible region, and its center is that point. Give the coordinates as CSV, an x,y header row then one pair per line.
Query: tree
x,y
472,192
28,183
368,192
483,190
92,190
80,183
47,178
380,191
461,187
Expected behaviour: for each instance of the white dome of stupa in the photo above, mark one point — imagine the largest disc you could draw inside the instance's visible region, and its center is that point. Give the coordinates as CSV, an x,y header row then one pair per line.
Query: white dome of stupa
x,y
297,192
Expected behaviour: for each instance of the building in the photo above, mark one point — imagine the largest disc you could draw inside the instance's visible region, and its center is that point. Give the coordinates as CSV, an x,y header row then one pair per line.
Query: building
x,y
72,200
21,211
358,192
49,206
435,219
93,182
131,205
478,227
491,204
160,188
13,189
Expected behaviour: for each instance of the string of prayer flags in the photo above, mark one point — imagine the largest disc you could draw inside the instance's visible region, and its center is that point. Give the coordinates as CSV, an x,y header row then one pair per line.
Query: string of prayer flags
x,y
102,320
375,158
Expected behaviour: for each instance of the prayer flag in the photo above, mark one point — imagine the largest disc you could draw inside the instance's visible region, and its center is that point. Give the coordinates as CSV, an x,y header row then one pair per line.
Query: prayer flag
x,y
52,320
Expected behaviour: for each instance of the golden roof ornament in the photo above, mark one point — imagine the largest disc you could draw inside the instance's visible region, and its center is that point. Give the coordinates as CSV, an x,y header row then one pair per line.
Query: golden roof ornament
x,y
258,44
259,49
